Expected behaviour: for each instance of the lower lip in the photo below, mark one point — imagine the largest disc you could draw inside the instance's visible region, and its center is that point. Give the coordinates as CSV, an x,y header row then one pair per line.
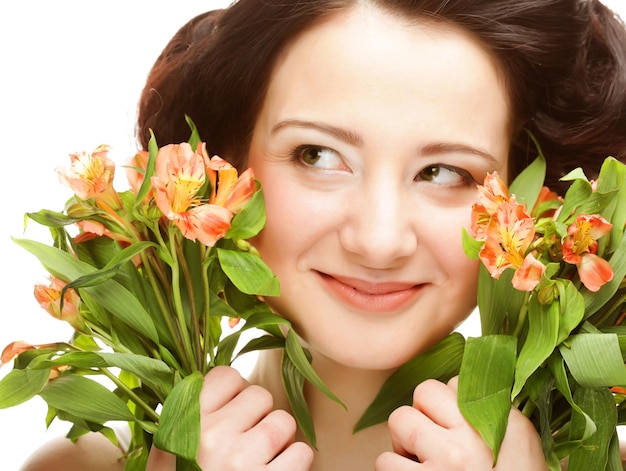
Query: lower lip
x,y
367,302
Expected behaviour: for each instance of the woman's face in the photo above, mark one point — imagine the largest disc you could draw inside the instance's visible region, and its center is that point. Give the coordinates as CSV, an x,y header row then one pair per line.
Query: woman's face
x,y
373,135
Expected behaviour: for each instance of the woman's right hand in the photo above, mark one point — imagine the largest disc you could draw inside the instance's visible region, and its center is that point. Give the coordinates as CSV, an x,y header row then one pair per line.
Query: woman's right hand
x,y
240,430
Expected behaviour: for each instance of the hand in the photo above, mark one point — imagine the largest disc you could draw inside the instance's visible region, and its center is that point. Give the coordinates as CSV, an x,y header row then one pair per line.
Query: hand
x,y
240,431
433,435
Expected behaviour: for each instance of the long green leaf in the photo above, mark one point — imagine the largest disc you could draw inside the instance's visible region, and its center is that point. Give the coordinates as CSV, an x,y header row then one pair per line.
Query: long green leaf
x,y
527,185
485,382
248,272
441,362
119,301
86,399
498,304
179,427
19,386
595,360
599,404
543,332
251,219
293,383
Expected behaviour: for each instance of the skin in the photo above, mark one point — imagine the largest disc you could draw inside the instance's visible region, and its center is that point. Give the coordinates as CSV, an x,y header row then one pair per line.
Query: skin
x,y
372,137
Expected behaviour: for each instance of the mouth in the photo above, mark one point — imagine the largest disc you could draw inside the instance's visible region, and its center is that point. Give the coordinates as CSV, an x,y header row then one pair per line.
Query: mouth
x,y
383,297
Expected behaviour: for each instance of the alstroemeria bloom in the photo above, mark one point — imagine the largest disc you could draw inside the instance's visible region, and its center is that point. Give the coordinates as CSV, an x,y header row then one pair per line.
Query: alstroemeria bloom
x,y
227,188
136,169
509,236
491,194
91,176
580,247
91,229
49,298
545,195
180,174
14,349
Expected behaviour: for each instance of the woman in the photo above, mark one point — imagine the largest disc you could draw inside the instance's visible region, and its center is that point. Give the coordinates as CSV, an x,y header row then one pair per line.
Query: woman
x,y
369,124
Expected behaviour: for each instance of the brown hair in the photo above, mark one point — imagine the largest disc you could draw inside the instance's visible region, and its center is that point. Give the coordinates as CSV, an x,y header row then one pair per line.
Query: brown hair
x,y
564,63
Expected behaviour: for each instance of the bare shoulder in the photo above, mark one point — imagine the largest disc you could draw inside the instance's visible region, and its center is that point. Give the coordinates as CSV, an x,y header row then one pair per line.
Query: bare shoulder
x,y
92,451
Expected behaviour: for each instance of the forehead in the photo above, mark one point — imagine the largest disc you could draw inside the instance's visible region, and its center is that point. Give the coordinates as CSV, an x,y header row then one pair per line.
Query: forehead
x,y
365,56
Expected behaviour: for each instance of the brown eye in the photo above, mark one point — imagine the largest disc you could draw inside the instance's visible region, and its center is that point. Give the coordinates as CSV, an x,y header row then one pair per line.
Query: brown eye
x,y
445,176
319,157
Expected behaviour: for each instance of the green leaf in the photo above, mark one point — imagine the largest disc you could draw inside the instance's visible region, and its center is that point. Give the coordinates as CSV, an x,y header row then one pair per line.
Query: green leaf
x,y
118,300
49,218
595,360
300,360
485,380
248,272
86,399
293,383
194,138
441,362
613,178
471,246
179,427
19,386
146,185
543,332
599,404
250,220
556,365
498,303
527,185
571,308
152,372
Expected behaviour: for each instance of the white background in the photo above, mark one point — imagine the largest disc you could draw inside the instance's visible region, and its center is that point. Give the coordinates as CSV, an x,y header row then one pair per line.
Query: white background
x,y
71,73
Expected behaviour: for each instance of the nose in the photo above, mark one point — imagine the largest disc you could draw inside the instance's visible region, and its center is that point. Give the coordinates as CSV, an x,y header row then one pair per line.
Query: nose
x,y
380,225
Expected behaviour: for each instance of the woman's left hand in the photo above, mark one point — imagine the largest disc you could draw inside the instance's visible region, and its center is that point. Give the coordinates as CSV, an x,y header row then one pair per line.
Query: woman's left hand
x,y
434,435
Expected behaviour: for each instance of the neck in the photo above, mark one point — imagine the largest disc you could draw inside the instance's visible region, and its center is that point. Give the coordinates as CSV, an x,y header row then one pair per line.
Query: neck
x,y
337,447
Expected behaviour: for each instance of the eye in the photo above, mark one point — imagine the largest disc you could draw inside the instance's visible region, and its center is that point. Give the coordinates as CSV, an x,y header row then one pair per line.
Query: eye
x,y
445,176
319,157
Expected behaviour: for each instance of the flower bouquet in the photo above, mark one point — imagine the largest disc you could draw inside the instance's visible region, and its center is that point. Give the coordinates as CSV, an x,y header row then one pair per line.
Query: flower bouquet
x,y
155,281
552,303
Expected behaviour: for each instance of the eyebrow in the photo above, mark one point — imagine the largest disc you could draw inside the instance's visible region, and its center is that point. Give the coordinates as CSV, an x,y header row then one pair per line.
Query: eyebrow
x,y
354,139
456,147
342,134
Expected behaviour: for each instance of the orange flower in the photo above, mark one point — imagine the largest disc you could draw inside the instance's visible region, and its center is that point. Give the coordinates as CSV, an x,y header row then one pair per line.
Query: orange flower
x,y
491,195
180,174
228,189
580,247
545,195
14,349
49,298
136,170
91,176
509,235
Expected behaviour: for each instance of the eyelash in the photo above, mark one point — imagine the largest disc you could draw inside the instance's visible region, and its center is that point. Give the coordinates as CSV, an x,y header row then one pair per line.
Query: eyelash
x,y
468,179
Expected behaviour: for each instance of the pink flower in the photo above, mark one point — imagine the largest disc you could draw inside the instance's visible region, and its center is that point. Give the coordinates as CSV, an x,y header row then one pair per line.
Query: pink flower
x,y
508,238
14,349
49,298
180,175
227,188
580,247
136,169
491,195
91,176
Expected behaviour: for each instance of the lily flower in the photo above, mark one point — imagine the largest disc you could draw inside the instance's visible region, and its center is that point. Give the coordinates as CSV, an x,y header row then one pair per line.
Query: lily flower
x,y
180,175
49,298
227,188
91,176
580,247
491,194
509,237
14,349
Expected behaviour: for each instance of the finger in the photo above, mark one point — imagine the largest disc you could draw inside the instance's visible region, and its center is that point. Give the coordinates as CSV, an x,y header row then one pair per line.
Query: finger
x,y
296,457
273,434
159,460
413,433
389,461
454,384
220,386
439,403
245,410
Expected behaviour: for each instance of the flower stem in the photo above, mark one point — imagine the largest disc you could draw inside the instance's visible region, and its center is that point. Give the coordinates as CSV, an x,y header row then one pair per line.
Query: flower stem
x,y
208,339
523,313
178,304
131,394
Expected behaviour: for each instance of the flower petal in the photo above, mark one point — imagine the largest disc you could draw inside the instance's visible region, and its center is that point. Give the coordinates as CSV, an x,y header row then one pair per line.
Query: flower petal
x,y
594,271
528,275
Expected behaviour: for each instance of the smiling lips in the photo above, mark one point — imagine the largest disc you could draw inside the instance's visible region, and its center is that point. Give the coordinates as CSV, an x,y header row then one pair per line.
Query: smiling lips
x,y
371,297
